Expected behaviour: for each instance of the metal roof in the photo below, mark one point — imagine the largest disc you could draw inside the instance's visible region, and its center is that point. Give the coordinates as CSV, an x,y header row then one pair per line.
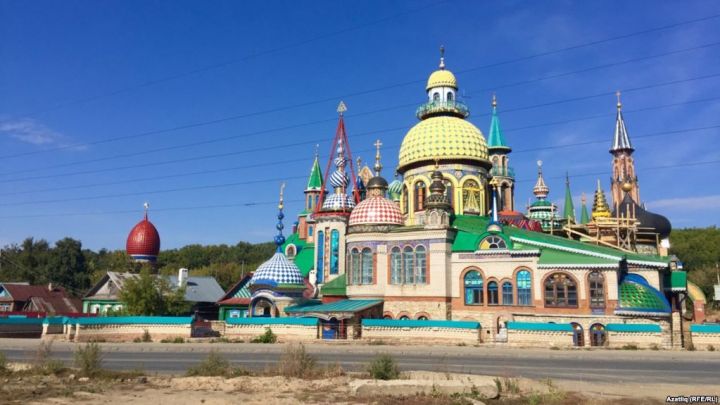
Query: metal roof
x,y
337,306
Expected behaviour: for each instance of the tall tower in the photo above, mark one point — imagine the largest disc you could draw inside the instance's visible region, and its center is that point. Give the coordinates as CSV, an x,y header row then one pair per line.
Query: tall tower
x,y
313,190
499,152
569,207
624,180
543,210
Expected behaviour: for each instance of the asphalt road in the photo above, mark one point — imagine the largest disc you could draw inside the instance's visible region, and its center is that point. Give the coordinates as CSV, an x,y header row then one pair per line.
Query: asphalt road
x,y
610,366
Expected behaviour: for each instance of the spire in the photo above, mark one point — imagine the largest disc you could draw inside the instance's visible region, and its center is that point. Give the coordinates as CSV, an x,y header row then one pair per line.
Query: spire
x,y
600,206
378,166
540,190
584,217
569,209
146,206
279,238
621,140
496,140
442,57
339,179
315,181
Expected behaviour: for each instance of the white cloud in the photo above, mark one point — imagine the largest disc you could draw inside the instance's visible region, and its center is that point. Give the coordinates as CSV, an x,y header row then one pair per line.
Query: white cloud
x,y
29,131
687,203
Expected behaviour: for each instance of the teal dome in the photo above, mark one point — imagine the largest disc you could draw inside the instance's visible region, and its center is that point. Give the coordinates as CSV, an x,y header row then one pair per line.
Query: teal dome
x,y
637,297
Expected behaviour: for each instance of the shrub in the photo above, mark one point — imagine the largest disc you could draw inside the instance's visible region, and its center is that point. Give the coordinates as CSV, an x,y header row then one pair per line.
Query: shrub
x,y
88,359
383,367
630,346
267,337
54,366
654,347
176,339
296,362
215,365
690,347
42,354
3,363
711,348
146,337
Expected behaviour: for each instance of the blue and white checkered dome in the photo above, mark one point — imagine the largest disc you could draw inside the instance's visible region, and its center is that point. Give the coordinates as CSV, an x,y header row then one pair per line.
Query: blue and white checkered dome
x,y
277,270
338,202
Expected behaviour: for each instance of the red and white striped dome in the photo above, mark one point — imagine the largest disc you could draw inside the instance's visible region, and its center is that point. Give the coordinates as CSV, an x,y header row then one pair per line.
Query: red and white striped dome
x,y
376,210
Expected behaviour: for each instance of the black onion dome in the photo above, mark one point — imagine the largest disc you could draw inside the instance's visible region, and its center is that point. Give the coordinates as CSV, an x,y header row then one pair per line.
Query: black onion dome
x,y
647,219
377,182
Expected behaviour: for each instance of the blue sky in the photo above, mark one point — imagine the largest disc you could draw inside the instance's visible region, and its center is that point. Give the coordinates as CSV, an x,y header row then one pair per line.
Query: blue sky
x,y
76,73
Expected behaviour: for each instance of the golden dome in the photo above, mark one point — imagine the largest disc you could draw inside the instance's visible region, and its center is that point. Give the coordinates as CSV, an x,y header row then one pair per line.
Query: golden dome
x,y
443,138
441,78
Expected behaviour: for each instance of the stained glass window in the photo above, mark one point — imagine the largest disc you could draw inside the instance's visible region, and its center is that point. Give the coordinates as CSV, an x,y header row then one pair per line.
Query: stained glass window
x,y
334,251
523,284
473,288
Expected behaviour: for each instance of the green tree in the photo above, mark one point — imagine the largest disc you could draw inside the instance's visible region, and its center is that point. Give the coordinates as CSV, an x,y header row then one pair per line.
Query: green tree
x,y
149,294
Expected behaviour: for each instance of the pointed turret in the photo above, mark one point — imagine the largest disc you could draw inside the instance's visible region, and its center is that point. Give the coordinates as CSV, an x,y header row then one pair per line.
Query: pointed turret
x,y
624,180
541,190
501,170
569,207
496,139
339,200
600,206
621,140
315,181
584,217
542,210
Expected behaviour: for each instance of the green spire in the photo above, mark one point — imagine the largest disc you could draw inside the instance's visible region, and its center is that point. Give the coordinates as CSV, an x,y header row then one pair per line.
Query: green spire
x,y
584,217
569,210
315,181
496,140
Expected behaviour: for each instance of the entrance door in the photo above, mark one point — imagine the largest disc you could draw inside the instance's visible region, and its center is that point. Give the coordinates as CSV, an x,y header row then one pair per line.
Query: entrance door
x,y
598,336
578,335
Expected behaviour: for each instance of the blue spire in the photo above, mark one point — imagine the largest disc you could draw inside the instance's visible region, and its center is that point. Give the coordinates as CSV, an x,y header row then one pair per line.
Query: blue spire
x,y
279,238
496,140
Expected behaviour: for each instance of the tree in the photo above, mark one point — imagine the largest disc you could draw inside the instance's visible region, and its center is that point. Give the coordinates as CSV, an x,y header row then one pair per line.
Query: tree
x,y
67,267
149,294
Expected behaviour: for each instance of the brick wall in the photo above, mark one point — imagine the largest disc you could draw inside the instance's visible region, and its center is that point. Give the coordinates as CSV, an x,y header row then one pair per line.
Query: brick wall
x,y
285,333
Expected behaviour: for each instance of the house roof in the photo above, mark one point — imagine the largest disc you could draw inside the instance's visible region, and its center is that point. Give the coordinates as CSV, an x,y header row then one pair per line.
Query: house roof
x,y
199,289
55,305
337,286
23,291
337,306
239,294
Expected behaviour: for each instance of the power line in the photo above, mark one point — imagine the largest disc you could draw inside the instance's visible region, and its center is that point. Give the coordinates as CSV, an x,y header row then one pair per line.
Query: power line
x,y
226,154
235,61
384,88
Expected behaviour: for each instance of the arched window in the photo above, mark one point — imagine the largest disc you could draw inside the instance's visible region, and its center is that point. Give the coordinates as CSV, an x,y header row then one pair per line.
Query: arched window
x,y
334,251
419,196
355,266
320,265
408,265
473,288
523,284
422,318
404,318
310,230
449,96
507,293
420,265
395,266
367,266
596,281
290,251
560,291
492,242
450,193
436,96
405,197
492,293
471,197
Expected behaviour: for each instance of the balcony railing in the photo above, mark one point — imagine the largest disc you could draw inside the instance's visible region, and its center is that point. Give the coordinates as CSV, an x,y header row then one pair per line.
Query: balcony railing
x,y
437,107
502,171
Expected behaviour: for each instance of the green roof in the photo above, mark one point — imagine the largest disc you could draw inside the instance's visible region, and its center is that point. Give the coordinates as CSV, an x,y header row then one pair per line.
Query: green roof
x,y
678,280
584,217
496,140
569,208
637,297
559,257
305,256
337,286
315,180
336,306
541,203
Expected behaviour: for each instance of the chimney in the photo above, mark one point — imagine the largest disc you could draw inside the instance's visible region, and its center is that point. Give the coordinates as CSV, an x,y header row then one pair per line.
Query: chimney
x,y
182,277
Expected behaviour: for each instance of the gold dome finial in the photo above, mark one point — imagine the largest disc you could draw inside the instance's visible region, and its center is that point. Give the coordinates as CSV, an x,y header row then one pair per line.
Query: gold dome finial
x,y
619,103
627,186
442,57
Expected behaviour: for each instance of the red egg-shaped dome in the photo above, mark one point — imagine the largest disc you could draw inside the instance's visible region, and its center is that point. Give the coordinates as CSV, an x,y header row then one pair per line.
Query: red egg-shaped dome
x,y
143,243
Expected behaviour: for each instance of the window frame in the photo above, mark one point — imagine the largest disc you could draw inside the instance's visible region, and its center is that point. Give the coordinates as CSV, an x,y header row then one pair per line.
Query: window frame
x,y
477,290
506,287
524,292
596,289
493,294
569,289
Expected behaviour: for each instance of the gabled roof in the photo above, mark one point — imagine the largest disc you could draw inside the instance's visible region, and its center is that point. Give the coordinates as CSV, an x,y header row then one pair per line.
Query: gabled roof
x,y
23,292
55,305
198,289
239,294
335,287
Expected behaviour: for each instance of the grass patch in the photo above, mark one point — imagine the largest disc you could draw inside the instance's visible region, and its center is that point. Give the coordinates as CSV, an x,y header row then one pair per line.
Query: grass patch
x,y
378,342
267,337
654,347
215,365
297,362
629,347
176,339
383,367
3,364
223,339
88,359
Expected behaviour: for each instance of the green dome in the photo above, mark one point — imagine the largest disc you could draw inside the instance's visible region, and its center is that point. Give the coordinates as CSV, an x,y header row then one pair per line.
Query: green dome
x,y
637,297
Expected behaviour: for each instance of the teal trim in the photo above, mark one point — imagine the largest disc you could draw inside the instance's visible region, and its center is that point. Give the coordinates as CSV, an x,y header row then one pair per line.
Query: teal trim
x,y
130,320
21,321
407,323
705,328
550,327
336,306
633,327
272,321
58,320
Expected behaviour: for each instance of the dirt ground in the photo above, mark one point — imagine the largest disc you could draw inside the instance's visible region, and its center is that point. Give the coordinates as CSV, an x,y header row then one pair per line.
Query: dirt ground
x,y
276,390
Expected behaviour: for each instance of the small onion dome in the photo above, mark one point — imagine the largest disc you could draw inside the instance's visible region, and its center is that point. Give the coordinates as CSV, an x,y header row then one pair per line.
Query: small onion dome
x,y
637,297
278,271
377,182
143,242
441,78
395,189
647,219
376,210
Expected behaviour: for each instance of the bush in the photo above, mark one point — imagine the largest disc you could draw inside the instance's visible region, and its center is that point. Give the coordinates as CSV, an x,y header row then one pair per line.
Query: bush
x,y
88,359
54,366
690,347
176,339
296,362
146,337
654,347
629,347
383,367
711,348
3,363
42,354
267,337
215,365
